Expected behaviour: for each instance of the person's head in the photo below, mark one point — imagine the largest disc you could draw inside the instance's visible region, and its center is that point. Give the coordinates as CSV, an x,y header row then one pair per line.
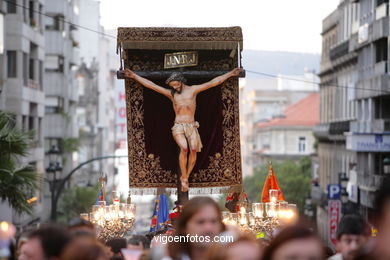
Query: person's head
x,y
116,244
44,243
85,249
200,216
352,234
244,247
175,82
138,242
295,242
80,224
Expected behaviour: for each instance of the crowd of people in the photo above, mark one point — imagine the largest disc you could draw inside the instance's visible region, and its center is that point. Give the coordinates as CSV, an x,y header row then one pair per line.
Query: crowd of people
x,y
201,217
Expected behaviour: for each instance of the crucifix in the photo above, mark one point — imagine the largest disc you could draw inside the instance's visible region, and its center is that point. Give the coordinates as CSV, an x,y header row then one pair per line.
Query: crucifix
x,y
185,128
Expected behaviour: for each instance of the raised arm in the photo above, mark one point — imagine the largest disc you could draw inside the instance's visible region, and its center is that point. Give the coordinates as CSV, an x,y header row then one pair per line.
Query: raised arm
x,y
217,81
147,83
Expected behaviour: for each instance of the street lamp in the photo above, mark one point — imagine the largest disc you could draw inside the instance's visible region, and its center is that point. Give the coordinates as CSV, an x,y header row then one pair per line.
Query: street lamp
x,y
53,154
308,208
53,178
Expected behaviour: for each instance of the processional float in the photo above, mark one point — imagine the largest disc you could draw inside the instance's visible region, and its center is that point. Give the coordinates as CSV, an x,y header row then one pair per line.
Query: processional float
x,y
200,55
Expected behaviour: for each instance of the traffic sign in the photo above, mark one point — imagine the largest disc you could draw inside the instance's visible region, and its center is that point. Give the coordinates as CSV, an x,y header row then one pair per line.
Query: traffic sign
x,y
334,191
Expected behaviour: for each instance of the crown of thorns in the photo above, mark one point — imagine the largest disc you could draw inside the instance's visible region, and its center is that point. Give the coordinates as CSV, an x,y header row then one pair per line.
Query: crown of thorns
x,y
176,76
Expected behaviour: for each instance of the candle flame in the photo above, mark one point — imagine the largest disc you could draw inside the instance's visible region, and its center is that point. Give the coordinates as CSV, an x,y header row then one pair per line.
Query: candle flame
x,y
4,226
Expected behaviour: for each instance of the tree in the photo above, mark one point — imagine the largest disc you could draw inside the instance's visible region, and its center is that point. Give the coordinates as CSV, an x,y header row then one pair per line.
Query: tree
x,y
294,180
17,182
78,200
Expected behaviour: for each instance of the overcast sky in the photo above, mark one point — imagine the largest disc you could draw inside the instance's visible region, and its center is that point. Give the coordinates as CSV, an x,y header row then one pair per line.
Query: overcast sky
x,y
276,25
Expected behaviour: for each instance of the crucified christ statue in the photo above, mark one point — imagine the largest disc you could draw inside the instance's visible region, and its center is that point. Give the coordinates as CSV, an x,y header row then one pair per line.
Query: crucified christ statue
x,y
185,129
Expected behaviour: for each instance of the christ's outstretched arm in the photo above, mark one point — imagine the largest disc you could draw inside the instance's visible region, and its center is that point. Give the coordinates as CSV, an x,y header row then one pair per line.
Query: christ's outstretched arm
x,y
216,81
147,83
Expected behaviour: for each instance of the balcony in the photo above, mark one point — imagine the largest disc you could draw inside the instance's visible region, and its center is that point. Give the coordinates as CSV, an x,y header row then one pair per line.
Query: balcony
x,y
380,28
370,182
381,11
339,50
55,126
380,125
380,68
321,131
373,86
360,127
339,128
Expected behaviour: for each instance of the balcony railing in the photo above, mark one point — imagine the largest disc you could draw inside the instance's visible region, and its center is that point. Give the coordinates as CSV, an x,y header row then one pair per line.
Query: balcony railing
x,y
339,50
339,128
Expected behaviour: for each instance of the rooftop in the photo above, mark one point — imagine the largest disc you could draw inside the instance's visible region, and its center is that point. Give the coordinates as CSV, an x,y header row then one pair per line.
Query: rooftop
x,y
306,112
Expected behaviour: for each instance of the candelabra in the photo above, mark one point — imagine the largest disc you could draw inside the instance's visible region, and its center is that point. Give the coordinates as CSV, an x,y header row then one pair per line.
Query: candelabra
x,y
113,220
265,218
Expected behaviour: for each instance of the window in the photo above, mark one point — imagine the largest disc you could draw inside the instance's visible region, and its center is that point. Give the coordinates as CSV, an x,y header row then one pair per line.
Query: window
x,y
24,123
30,123
53,105
41,74
40,18
11,6
54,22
381,50
33,23
302,144
11,64
25,11
31,69
25,69
379,2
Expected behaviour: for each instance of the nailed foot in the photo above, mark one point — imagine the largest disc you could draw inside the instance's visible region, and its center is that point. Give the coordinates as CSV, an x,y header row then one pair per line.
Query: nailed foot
x,y
184,184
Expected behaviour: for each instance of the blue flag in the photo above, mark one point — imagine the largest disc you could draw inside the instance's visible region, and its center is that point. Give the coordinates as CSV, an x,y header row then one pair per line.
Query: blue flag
x,y
160,213
99,197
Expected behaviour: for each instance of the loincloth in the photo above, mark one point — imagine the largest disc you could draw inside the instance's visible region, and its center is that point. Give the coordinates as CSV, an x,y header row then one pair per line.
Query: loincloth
x,y
188,129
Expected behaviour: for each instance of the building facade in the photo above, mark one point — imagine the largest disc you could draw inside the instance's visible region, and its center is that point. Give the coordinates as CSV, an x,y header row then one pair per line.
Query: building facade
x,y
353,132
98,53
61,94
290,135
263,99
22,85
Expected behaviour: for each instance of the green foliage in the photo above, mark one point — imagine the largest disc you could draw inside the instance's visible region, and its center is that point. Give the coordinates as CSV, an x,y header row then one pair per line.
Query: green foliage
x,y
293,178
17,182
69,145
77,200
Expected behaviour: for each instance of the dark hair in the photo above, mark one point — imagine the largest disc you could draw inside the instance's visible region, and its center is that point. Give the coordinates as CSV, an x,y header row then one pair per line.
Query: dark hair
x,y
85,249
352,225
78,222
53,239
136,239
176,76
190,208
116,244
382,196
298,231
